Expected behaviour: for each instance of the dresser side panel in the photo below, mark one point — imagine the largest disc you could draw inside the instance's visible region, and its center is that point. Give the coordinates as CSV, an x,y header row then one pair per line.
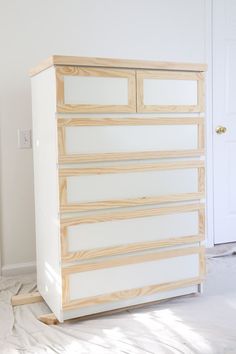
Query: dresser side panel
x,y
46,189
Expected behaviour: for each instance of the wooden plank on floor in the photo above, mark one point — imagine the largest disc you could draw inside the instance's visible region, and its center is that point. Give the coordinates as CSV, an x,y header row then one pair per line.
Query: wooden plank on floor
x,y
49,319
23,299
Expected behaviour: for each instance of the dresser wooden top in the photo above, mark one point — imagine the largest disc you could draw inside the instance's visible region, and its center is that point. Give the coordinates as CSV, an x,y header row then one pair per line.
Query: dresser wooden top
x,y
115,63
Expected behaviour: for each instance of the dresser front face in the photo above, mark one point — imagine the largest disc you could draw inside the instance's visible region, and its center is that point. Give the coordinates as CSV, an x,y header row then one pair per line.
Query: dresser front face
x,y
131,179
131,185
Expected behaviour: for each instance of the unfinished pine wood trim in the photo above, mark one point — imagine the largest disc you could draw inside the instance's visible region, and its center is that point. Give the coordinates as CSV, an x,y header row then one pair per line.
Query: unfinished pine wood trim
x,y
129,294
201,180
124,156
63,190
121,215
141,75
201,92
29,298
61,141
78,158
129,248
68,172
202,264
74,207
77,122
169,75
65,289
64,241
96,72
117,262
201,135
201,218
48,319
115,63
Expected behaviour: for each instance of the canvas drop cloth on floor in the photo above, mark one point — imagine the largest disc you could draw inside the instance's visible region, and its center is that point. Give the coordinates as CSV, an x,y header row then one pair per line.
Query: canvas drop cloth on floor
x,y
201,324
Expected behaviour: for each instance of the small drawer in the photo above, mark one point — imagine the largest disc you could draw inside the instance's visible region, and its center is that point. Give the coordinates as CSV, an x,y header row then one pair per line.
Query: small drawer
x,y
129,277
81,89
169,91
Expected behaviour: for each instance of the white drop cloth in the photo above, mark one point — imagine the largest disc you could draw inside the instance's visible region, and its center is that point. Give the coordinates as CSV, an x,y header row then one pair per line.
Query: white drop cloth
x,y
204,324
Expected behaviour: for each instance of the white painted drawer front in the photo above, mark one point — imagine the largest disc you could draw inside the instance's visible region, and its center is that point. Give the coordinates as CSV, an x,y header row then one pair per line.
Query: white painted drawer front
x,y
89,188
116,279
112,139
109,280
169,91
123,232
95,90
88,140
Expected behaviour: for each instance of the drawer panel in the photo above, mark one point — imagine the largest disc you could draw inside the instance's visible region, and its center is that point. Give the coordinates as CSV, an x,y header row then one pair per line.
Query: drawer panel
x,y
81,89
117,279
164,91
125,232
87,140
121,232
129,185
103,139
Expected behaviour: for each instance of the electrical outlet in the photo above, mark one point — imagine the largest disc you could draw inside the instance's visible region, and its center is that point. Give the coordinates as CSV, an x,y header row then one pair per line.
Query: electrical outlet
x,y
24,139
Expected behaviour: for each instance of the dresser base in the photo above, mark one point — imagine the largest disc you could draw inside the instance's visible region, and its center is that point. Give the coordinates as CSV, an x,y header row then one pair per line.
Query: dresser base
x,y
78,315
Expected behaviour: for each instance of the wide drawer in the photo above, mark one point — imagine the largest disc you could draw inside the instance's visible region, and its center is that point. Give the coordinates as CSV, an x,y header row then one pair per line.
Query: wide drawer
x,y
117,233
129,185
104,139
129,277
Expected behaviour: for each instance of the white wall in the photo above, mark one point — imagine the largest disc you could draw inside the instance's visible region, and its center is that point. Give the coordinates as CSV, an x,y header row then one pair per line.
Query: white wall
x,y
32,30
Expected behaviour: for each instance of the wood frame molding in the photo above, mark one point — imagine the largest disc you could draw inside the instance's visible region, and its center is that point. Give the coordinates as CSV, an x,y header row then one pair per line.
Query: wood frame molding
x,y
170,75
131,293
69,172
125,249
95,72
68,256
64,158
109,204
66,207
124,215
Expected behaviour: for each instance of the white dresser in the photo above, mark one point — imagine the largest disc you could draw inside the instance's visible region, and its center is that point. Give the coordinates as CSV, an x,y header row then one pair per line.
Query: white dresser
x,y
119,182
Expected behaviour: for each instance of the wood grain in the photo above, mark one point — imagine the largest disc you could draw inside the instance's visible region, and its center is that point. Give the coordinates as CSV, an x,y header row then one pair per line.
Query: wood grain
x,y
117,262
129,248
119,156
130,214
63,190
201,180
124,156
56,60
67,172
169,75
48,319
28,298
74,207
129,294
63,71
77,122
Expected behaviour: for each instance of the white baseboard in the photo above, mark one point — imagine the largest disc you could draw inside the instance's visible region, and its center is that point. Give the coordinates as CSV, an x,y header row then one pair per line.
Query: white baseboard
x,y
18,269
